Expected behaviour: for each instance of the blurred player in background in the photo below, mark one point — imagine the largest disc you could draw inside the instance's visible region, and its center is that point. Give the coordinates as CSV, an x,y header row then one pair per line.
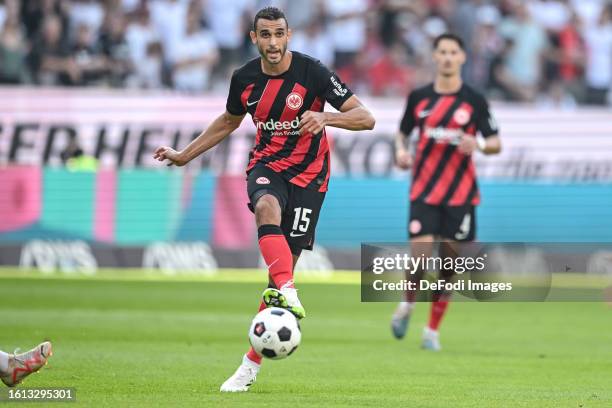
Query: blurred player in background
x,y
15,367
289,166
453,121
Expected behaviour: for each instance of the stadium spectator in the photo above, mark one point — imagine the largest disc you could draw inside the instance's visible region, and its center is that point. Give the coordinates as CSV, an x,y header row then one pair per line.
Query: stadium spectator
x,y
313,41
229,22
598,73
390,74
88,13
169,18
13,51
2,14
195,55
524,62
501,84
33,14
50,59
126,6
148,73
552,15
145,50
486,45
347,28
300,13
551,49
588,10
91,62
464,20
571,56
113,44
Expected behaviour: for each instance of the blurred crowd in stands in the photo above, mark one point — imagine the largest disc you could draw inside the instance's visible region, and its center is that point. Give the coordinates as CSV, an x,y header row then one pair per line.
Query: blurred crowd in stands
x,y
551,52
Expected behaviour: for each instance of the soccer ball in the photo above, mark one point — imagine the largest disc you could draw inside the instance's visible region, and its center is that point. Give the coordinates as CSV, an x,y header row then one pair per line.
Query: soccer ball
x,y
275,333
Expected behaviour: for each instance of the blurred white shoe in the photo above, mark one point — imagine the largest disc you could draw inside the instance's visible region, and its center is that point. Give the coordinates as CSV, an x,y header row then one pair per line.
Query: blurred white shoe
x,y
400,319
431,340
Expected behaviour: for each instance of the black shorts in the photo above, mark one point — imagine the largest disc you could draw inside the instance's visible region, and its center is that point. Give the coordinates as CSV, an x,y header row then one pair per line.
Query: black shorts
x,y
456,223
300,207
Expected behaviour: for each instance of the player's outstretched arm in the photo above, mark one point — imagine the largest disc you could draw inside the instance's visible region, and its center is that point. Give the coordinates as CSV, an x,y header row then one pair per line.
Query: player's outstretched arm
x,y
353,115
218,130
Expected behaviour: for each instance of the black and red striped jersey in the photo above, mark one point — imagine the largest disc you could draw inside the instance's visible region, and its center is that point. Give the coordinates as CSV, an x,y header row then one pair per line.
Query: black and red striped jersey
x,y
441,174
276,104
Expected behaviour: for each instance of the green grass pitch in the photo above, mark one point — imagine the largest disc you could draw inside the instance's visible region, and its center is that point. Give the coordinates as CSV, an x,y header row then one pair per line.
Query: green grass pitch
x,y
132,343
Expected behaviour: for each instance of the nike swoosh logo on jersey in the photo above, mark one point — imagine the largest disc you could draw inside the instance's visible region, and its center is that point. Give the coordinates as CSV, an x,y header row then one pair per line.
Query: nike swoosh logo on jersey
x,y
424,114
294,235
252,103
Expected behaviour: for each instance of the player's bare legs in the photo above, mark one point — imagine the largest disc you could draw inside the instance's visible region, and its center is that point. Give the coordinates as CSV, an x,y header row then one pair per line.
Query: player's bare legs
x,y
15,367
419,246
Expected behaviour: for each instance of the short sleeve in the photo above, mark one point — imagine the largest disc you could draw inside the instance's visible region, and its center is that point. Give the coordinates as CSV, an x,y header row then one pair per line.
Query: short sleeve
x,y
407,123
485,122
333,89
234,103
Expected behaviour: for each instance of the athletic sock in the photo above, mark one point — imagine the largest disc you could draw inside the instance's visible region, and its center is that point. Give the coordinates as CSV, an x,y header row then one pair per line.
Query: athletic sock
x,y
4,359
438,308
248,361
276,254
253,356
408,306
403,310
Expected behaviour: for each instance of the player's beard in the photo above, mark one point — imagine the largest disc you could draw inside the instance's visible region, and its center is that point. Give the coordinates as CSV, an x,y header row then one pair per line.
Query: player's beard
x,y
264,54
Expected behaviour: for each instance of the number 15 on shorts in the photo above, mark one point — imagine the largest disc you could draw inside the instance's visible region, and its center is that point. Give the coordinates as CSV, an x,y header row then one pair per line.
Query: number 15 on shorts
x,y
301,222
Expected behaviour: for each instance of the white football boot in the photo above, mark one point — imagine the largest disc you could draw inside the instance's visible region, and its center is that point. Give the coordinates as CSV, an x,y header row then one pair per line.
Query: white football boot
x,y
431,340
243,378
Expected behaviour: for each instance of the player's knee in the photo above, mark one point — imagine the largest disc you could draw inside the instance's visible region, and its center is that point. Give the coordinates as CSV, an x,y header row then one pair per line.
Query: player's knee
x,y
267,210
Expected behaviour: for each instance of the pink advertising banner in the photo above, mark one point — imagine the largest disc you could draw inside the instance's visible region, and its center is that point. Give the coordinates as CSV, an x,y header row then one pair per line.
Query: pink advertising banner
x,y
122,128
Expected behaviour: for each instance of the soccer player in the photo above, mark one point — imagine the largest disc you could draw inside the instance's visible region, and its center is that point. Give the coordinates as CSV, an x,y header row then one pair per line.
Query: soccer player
x,y
453,121
289,165
15,367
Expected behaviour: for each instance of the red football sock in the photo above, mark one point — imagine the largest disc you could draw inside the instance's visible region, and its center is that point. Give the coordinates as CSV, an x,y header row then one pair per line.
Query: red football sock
x,y
438,308
277,255
251,354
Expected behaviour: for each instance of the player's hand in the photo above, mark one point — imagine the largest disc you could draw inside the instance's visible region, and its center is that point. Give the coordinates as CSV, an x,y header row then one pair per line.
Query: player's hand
x,y
467,145
167,153
403,159
312,122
